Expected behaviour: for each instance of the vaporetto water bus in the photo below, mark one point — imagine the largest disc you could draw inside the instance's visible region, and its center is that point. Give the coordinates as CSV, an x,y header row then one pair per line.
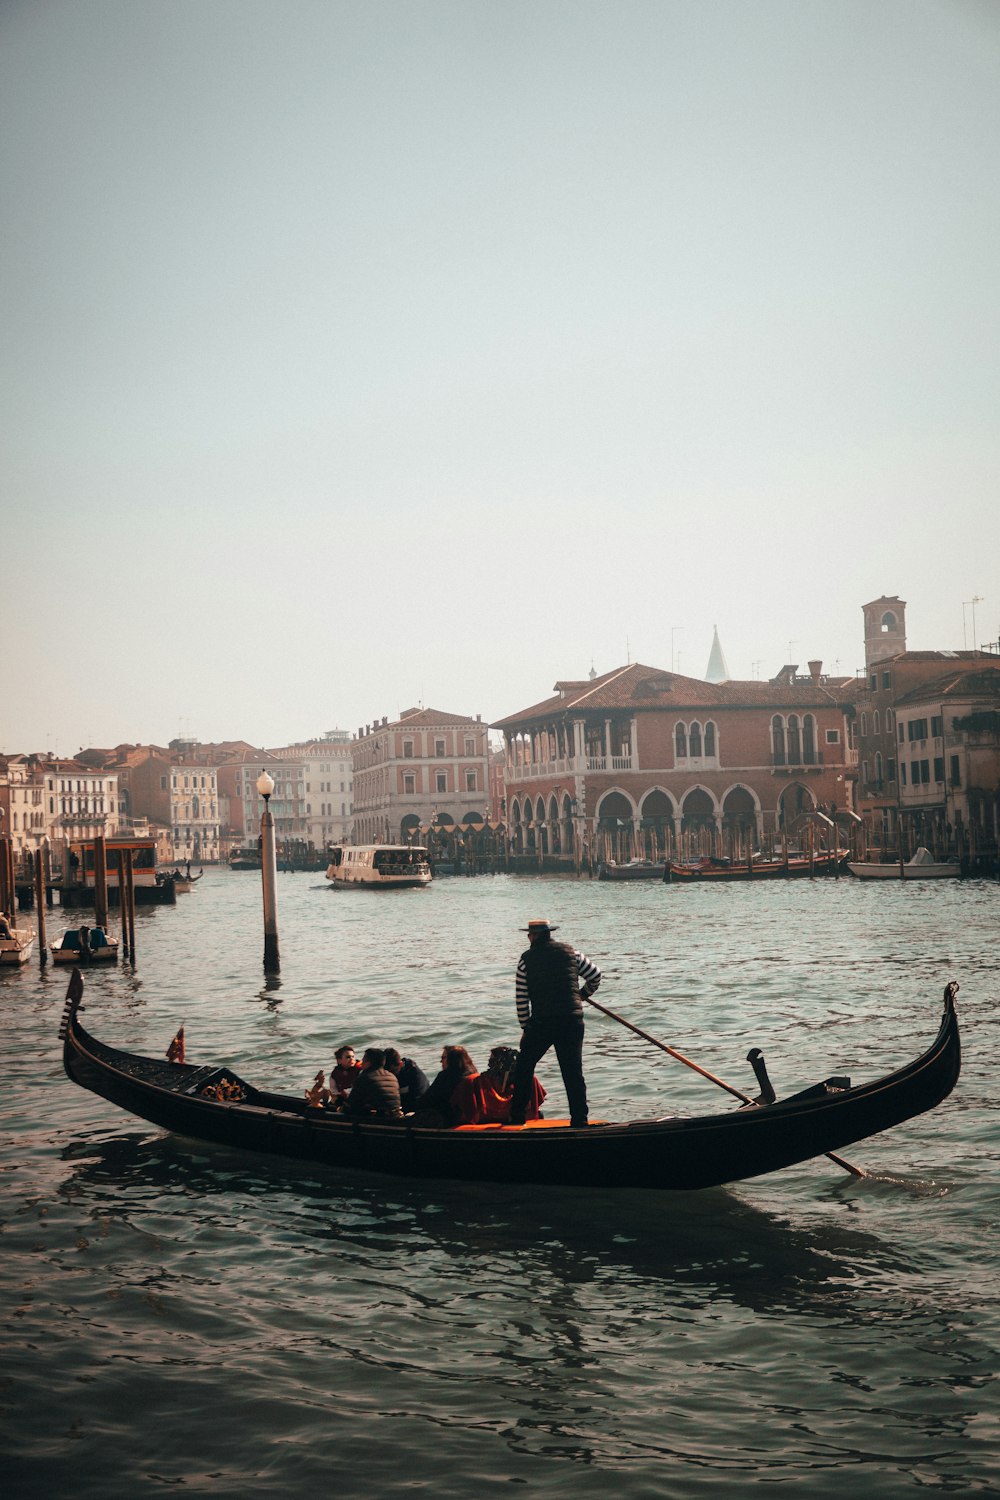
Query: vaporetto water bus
x,y
380,865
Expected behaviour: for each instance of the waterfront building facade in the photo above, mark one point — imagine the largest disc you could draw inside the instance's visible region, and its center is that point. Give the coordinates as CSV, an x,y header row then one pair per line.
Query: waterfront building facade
x,y
641,760
194,809
328,772
921,780
56,802
286,769
948,743
425,770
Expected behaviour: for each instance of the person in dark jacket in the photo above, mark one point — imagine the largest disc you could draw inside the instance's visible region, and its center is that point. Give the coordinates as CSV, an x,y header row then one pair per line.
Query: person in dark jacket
x,y
412,1079
376,1091
552,982
436,1106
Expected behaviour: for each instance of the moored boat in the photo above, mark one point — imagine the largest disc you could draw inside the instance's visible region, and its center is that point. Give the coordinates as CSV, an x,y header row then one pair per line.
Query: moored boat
x,y
85,944
795,866
380,866
212,1103
150,885
244,859
923,866
633,869
16,945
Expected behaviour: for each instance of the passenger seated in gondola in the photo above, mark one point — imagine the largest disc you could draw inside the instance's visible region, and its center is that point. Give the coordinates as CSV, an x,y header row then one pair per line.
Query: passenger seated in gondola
x,y
345,1075
436,1107
376,1091
412,1080
486,1098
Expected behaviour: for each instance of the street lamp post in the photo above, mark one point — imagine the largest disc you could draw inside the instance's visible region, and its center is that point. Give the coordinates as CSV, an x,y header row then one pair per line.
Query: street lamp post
x,y
269,876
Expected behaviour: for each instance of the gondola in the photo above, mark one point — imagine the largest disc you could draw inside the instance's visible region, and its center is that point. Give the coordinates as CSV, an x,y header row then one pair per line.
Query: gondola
x,y
212,1103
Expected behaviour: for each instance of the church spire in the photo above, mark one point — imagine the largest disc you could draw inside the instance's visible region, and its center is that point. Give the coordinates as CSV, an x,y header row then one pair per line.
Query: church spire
x,y
717,670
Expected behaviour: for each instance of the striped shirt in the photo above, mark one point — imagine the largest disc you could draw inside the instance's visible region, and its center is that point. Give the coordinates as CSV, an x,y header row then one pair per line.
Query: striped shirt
x,y
587,974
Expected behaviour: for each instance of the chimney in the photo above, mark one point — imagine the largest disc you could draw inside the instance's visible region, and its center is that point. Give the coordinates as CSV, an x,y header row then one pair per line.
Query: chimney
x,y
815,668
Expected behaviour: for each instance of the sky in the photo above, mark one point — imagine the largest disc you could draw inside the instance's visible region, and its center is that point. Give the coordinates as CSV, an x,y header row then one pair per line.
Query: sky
x,y
358,356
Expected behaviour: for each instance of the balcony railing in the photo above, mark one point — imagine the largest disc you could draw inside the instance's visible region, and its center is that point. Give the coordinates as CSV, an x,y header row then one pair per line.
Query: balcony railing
x,y
797,762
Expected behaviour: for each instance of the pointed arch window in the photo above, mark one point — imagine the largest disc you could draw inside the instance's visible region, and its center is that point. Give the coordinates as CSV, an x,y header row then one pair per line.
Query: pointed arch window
x,y
778,739
809,740
710,738
680,741
794,741
694,738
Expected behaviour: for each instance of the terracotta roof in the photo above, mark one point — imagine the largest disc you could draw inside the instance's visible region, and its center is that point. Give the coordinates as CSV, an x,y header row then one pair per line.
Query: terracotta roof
x,y
427,718
637,687
905,658
980,682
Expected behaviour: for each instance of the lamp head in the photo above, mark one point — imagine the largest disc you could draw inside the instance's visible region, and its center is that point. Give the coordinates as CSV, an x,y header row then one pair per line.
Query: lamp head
x,y
265,785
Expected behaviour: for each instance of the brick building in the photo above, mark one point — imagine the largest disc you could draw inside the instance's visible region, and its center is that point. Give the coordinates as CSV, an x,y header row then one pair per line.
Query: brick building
x,y
642,759
916,769
426,768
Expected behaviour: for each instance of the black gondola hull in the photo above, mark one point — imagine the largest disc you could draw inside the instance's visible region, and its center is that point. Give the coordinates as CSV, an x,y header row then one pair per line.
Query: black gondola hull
x,y
682,1154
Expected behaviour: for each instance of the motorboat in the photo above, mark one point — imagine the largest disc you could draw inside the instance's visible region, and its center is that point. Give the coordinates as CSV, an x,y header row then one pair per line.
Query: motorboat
x,y
380,866
90,945
922,866
16,945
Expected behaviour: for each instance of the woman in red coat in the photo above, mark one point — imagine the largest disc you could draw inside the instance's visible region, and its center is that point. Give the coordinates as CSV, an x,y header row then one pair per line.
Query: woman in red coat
x,y
486,1098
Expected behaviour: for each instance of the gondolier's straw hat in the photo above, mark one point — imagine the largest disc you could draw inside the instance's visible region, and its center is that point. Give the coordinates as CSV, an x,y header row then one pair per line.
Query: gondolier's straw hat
x,y
539,924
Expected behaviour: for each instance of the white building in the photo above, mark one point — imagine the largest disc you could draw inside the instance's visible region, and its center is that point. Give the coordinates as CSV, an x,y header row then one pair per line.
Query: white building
x,y
194,811
60,801
328,773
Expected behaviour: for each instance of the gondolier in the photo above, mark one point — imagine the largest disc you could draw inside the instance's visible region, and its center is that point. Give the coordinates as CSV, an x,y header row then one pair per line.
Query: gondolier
x,y
551,984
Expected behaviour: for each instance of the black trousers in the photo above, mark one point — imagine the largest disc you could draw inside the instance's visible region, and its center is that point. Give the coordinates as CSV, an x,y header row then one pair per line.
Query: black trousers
x,y
566,1036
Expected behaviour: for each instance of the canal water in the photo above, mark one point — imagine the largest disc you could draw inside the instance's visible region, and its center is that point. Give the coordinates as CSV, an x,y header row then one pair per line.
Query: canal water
x,y
177,1316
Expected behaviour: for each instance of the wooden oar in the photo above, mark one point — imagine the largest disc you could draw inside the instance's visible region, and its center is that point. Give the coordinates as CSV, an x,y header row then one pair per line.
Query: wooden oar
x,y
672,1052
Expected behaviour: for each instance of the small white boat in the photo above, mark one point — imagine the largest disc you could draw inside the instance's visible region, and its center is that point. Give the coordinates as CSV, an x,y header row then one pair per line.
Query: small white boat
x,y
100,949
634,869
923,866
17,947
382,866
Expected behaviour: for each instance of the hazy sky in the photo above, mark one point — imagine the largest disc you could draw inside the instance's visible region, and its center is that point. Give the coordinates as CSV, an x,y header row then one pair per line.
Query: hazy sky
x,y
356,355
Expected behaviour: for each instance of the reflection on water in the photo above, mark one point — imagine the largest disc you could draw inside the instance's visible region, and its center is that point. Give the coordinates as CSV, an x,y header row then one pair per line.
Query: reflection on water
x,y
183,1315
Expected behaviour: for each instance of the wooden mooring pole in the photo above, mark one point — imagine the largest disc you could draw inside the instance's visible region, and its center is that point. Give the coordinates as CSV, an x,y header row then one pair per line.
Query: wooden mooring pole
x,y
100,882
130,904
40,884
122,904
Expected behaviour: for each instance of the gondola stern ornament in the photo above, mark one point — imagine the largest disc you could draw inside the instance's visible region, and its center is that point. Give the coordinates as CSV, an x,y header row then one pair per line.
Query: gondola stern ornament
x,y
755,1058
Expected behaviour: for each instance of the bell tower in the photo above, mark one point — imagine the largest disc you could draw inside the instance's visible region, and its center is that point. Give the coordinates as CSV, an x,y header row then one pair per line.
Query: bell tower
x,y
885,628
